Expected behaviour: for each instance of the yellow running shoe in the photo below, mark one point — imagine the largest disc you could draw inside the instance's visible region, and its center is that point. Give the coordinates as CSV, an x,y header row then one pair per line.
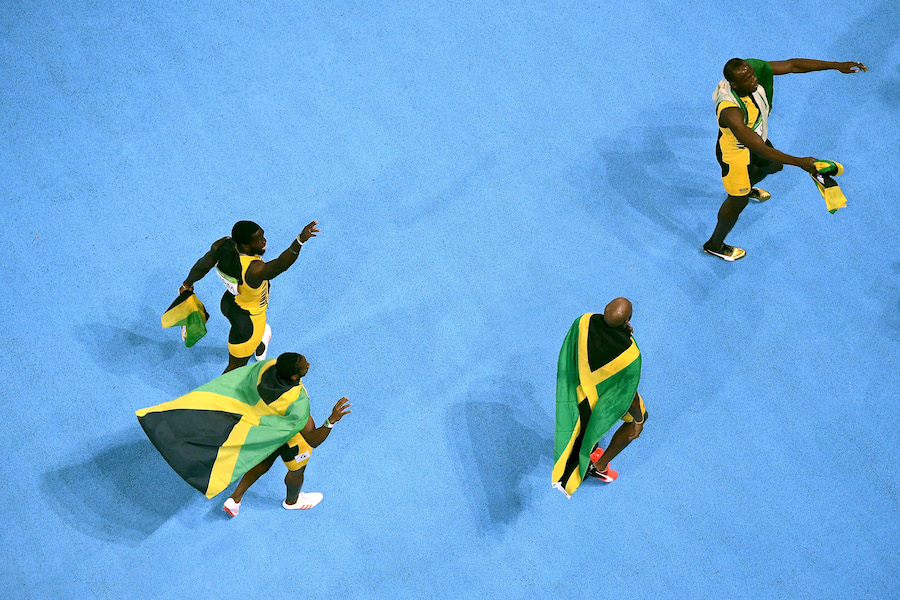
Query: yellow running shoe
x,y
726,252
759,194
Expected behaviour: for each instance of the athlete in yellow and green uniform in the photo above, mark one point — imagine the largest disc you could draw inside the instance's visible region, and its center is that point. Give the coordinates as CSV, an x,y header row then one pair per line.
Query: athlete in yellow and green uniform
x,y
238,262
743,101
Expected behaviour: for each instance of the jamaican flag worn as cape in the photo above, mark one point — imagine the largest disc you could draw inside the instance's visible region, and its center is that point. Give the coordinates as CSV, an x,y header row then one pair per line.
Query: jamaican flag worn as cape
x,y
189,312
596,380
216,433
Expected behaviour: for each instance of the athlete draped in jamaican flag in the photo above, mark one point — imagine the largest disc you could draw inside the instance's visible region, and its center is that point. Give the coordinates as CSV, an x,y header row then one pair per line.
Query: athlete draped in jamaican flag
x,y
596,385
614,328
743,101
238,262
296,451
237,425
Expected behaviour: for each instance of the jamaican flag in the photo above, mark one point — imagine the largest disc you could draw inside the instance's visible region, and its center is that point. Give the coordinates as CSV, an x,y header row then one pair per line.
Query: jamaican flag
x,y
828,187
216,433
596,379
189,312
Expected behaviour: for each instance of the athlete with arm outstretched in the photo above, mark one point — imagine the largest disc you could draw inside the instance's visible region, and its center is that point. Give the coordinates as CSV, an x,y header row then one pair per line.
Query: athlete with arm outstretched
x,y
745,153
238,262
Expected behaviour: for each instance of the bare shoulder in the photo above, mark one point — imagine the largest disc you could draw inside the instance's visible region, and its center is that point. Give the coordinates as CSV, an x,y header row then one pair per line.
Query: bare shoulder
x,y
255,272
731,116
217,243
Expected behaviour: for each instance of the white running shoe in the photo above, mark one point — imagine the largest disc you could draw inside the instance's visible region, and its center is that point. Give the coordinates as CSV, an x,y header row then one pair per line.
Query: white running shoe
x,y
304,501
267,335
232,507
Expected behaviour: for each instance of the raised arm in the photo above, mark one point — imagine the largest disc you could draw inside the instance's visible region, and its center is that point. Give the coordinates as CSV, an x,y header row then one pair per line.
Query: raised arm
x,y
201,267
807,65
733,118
259,271
315,436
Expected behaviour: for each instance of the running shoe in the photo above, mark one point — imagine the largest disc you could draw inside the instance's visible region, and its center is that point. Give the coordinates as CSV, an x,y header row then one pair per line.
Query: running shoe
x,y
304,501
232,507
759,194
726,252
607,475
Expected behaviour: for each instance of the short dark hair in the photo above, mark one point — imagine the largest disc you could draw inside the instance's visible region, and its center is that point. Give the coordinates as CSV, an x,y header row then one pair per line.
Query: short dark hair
x,y
731,66
243,231
286,365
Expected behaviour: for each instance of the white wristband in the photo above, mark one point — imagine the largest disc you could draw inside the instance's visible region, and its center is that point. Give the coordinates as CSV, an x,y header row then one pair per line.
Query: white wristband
x,y
328,424
299,241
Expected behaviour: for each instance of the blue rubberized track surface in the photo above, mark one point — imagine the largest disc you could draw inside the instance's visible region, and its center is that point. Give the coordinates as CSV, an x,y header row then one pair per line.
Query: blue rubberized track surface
x,y
483,173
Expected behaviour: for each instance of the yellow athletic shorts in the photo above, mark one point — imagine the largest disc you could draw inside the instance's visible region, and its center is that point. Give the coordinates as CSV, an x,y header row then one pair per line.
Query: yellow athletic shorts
x,y
734,159
246,331
295,452
735,162
630,418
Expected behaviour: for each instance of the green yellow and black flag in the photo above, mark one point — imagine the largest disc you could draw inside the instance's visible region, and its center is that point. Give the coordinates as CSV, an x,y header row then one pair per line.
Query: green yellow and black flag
x,y
594,389
828,187
216,433
189,312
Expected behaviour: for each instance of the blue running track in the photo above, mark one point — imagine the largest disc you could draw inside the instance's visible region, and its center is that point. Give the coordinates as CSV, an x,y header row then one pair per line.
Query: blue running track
x,y
483,173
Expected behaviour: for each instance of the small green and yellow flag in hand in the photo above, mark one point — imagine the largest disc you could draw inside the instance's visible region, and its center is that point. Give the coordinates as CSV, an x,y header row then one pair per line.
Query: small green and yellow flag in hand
x,y
828,187
188,312
216,433
594,389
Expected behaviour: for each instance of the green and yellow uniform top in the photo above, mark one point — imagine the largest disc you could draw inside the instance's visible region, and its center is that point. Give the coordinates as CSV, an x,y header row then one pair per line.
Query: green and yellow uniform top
x,y
252,299
755,106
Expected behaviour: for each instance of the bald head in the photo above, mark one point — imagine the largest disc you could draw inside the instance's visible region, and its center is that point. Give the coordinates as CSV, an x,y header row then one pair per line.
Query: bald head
x,y
617,312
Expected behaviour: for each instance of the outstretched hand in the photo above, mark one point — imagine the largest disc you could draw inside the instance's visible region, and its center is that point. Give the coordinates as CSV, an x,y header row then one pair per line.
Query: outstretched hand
x,y
309,231
340,409
808,164
851,67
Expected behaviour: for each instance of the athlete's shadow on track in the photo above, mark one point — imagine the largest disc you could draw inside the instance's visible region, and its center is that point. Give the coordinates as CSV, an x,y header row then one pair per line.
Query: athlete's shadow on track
x,y
660,173
159,357
123,493
500,437
664,174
